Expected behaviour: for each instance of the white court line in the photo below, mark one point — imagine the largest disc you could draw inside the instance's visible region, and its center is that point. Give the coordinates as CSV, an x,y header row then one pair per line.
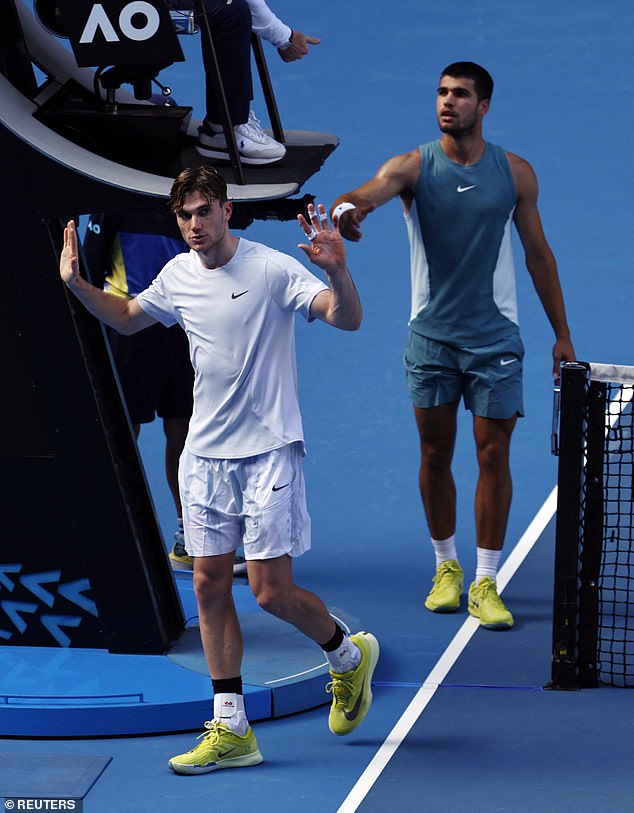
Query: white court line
x,y
315,669
449,657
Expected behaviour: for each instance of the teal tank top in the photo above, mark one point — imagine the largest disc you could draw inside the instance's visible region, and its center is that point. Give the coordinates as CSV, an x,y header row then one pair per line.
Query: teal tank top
x,y
461,255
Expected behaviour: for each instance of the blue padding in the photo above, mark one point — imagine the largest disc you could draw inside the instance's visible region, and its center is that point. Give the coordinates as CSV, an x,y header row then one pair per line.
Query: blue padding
x,y
49,775
67,692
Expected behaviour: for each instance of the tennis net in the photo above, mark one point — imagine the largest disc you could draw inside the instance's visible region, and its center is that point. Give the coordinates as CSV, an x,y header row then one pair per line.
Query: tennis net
x,y
593,611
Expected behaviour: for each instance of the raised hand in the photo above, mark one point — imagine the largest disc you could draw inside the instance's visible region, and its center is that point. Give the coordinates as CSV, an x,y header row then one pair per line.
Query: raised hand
x,y
340,306
326,248
68,261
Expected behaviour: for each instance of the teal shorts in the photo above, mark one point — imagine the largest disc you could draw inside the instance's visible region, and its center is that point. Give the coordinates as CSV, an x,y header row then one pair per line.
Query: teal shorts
x,y
488,378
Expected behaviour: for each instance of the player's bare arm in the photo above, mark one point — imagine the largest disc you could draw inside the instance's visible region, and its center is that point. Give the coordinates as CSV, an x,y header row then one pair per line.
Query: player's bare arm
x,y
540,259
397,177
340,306
124,315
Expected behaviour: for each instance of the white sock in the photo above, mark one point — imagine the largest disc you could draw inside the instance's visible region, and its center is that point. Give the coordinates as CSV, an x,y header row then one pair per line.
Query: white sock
x,y
346,658
487,563
445,549
229,710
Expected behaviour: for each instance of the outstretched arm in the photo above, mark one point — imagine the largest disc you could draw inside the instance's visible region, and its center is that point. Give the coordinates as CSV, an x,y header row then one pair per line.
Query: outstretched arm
x,y
124,315
340,306
397,177
291,45
540,259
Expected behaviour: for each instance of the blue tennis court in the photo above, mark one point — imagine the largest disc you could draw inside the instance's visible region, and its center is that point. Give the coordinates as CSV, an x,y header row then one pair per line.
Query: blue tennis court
x,y
461,720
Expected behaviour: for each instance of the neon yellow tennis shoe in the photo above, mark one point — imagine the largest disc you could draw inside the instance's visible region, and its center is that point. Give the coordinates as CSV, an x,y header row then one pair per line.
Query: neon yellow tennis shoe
x,y
444,596
485,604
178,555
352,691
219,748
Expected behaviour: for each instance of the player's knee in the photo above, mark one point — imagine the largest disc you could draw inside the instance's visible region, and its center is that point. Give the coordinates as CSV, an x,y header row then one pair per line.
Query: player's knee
x,y
209,587
493,457
435,460
270,599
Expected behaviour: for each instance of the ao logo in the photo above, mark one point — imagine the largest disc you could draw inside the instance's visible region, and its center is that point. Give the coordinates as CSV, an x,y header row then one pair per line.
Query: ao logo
x,y
99,20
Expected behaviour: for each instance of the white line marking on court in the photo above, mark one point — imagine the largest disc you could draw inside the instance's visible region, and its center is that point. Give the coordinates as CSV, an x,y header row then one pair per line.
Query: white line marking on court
x,y
447,660
297,674
344,626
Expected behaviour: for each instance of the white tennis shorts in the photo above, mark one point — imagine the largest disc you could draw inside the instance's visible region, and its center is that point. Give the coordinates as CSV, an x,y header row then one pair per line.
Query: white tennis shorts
x,y
259,502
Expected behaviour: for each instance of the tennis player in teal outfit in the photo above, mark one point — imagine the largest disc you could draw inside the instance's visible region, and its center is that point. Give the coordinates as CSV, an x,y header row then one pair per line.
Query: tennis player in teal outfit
x,y
461,196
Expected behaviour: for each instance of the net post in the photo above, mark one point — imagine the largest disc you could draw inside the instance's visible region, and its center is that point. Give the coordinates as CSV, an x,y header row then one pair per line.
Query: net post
x,y
592,544
569,484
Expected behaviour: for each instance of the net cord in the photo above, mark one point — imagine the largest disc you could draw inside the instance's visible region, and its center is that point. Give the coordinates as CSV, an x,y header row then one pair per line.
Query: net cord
x,y
611,373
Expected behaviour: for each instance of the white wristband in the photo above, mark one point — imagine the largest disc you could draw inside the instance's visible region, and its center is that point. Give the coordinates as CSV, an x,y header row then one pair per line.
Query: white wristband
x,y
341,208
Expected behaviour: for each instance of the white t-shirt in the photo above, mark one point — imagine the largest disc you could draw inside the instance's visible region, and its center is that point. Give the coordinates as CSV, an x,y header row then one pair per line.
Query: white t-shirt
x,y
239,320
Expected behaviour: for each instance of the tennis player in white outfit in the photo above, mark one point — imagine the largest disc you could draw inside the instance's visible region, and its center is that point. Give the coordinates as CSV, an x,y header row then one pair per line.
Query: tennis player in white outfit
x,y
241,475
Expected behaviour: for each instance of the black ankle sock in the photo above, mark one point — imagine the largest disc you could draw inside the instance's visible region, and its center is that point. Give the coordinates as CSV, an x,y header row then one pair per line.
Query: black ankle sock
x,y
227,685
336,640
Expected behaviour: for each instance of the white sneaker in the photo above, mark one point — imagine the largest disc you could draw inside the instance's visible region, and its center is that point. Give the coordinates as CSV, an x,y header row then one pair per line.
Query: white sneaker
x,y
254,145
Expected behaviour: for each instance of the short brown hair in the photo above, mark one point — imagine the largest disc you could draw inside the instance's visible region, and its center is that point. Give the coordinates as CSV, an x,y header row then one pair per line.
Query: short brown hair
x,y
482,81
205,179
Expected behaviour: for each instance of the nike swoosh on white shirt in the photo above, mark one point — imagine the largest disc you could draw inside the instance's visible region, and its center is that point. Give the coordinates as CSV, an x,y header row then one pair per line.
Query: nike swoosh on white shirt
x,y
504,362
465,188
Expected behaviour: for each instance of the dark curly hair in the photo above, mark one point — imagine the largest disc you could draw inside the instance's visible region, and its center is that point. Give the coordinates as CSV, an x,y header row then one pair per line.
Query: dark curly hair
x,y
482,80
